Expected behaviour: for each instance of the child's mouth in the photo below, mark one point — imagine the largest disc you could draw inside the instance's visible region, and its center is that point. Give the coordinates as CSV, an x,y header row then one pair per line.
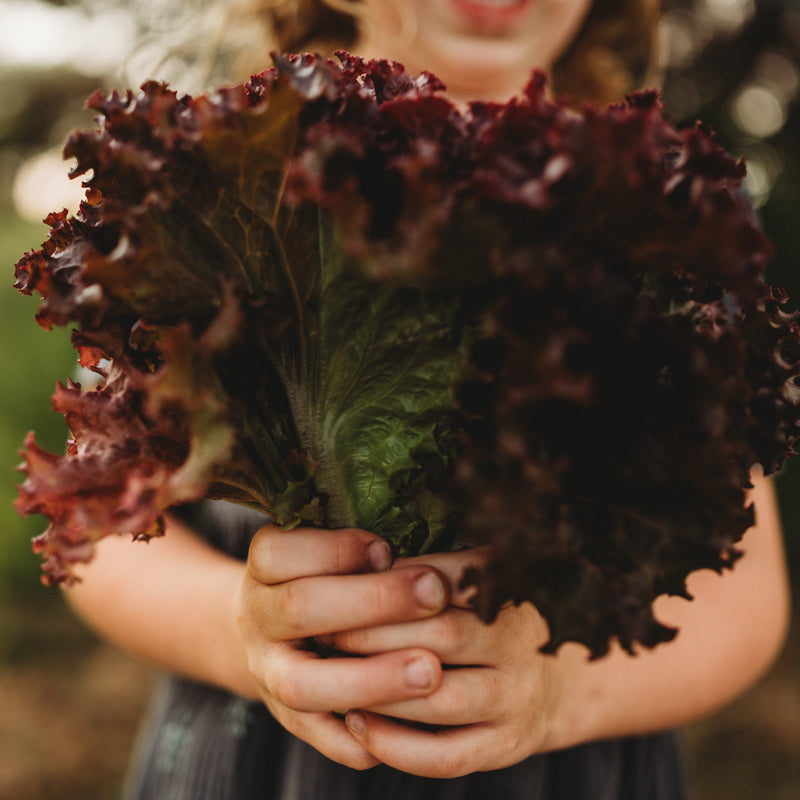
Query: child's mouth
x,y
493,15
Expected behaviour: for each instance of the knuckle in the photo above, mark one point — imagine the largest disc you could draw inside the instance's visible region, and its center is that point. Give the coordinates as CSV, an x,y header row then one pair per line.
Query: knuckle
x,y
261,556
345,551
448,632
255,665
491,686
340,554
385,598
243,609
449,765
352,641
292,607
362,762
510,741
452,700
287,690
269,680
490,705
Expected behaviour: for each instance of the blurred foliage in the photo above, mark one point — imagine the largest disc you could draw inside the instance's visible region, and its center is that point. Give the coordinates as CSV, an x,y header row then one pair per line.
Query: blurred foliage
x,y
713,79
29,363
735,64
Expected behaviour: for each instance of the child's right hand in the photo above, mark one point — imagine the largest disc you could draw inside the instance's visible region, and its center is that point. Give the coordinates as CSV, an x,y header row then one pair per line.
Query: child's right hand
x,y
309,583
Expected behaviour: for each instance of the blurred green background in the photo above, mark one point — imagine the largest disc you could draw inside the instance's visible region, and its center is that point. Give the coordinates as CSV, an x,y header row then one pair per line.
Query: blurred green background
x,y
69,703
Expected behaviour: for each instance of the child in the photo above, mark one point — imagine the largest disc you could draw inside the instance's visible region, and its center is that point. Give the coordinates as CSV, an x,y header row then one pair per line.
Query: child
x,y
254,712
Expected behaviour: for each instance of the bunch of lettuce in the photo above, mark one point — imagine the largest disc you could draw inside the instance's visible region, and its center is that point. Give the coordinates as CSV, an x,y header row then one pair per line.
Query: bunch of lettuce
x,y
332,295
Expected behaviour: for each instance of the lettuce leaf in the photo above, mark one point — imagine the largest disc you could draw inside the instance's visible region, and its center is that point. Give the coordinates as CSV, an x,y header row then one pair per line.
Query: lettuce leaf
x,y
332,295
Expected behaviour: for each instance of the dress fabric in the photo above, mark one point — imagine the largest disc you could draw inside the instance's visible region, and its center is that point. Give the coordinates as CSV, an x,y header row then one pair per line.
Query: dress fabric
x,y
200,743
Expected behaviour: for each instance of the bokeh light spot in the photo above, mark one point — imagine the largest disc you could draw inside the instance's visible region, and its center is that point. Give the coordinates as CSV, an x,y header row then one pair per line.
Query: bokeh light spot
x,y
758,111
42,185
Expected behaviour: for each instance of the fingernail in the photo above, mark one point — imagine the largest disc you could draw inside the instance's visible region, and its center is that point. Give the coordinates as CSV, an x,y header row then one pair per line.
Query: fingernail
x,y
419,674
356,722
380,555
429,591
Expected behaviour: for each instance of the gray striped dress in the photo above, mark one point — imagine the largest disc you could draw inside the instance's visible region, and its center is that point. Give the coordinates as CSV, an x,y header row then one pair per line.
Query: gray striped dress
x,y
200,743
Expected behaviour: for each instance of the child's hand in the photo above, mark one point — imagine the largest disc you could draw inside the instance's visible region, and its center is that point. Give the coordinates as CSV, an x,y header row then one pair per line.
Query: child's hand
x,y
494,705
310,583
513,701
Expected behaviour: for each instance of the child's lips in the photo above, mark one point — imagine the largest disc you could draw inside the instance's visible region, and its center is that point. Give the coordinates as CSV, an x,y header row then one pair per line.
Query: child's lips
x,y
492,15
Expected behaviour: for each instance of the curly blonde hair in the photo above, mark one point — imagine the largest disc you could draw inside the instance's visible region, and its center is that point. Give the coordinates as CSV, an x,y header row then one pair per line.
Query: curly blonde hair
x,y
614,53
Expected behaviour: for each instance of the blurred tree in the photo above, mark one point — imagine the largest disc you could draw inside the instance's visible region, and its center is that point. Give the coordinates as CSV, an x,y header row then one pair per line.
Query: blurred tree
x,y
735,64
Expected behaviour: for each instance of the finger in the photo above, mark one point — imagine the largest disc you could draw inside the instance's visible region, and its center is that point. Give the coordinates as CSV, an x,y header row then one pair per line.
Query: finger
x,y
328,734
447,753
276,556
456,636
325,604
466,696
453,566
303,681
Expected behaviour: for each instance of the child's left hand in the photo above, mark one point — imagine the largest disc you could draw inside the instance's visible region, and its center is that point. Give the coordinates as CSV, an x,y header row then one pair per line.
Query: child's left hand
x,y
502,700
496,699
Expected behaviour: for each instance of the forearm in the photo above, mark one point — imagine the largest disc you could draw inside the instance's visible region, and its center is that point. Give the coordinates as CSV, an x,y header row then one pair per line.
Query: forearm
x,y
169,602
728,636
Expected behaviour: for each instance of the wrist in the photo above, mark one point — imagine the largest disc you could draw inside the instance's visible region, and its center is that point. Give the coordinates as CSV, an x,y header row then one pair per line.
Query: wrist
x,y
228,655
570,709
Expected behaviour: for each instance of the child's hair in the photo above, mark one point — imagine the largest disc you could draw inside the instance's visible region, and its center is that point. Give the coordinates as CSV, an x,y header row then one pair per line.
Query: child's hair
x,y
614,52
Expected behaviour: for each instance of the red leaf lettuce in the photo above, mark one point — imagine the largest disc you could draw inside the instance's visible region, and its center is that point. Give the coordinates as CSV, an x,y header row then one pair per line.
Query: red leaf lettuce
x,y
334,296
